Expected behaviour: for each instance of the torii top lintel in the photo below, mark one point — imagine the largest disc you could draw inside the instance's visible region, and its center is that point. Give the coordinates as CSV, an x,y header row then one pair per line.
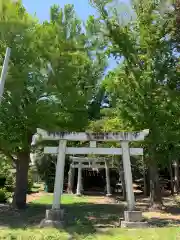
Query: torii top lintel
x,y
84,136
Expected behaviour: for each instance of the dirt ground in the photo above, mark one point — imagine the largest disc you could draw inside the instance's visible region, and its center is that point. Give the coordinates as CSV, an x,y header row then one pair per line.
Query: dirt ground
x,y
169,215
34,196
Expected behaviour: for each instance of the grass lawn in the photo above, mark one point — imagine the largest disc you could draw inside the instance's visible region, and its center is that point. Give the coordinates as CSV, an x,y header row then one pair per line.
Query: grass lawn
x,y
84,220
66,199
116,234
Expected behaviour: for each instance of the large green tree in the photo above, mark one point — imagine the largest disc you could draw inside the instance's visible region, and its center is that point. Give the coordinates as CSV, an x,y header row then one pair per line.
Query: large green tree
x,y
37,96
145,87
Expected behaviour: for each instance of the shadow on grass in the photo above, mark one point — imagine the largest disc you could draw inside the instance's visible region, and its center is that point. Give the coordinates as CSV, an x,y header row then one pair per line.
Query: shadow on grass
x,y
173,210
29,217
163,222
86,218
82,218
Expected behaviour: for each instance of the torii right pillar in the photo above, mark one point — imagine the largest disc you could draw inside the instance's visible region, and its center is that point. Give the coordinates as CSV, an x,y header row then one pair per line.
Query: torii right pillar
x,y
132,218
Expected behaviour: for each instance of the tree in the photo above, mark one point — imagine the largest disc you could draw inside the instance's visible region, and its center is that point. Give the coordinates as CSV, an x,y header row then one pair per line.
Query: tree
x,y
146,84
35,97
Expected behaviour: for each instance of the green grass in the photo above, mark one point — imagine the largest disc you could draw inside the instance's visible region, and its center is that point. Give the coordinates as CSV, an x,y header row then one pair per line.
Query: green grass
x,y
84,221
132,234
33,234
116,234
66,199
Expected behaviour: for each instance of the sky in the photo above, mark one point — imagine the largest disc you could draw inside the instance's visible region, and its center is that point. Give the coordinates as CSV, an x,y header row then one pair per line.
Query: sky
x,y
42,7
42,10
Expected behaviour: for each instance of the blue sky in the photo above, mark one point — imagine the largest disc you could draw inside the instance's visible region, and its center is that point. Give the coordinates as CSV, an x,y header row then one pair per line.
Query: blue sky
x,y
42,8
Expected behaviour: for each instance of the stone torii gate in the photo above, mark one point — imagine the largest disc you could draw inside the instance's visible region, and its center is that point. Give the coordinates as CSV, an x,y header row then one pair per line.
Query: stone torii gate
x,y
54,217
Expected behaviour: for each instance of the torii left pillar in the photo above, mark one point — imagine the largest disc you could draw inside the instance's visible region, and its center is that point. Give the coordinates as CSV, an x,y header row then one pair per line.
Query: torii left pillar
x,y
54,217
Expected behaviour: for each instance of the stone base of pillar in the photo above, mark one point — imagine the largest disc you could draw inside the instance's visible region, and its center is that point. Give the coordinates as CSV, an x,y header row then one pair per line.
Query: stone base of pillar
x,y
125,224
133,219
78,194
133,216
108,195
53,218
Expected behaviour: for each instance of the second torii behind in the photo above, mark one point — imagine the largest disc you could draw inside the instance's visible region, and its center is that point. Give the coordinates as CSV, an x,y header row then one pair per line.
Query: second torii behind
x,y
86,162
92,163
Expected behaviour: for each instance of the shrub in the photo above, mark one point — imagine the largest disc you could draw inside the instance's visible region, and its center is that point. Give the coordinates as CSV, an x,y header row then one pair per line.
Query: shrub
x,y
3,196
2,180
30,181
4,173
10,181
9,196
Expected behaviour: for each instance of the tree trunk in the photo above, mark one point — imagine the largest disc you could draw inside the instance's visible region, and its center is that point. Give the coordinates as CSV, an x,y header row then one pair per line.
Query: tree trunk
x,y
71,174
22,166
155,191
146,189
171,177
145,183
176,176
